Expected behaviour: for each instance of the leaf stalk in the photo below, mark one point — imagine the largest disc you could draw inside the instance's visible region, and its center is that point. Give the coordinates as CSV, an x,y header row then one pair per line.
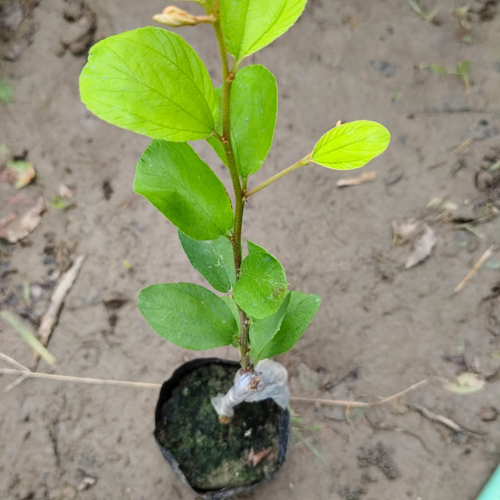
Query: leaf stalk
x,y
301,163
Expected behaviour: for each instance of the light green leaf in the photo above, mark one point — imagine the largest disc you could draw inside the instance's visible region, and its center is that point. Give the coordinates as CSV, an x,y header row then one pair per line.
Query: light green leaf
x,y
250,25
152,82
439,70
254,106
298,317
188,315
263,330
213,259
466,383
172,177
262,285
351,145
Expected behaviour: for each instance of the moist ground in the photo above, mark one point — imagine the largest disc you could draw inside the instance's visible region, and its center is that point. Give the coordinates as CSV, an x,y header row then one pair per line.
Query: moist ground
x,y
213,455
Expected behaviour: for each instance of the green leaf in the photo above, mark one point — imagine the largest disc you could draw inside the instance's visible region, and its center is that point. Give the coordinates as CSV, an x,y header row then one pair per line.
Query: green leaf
x,y
298,317
213,259
439,70
188,315
254,107
263,330
463,68
152,82
262,285
250,25
230,302
351,145
172,177
213,141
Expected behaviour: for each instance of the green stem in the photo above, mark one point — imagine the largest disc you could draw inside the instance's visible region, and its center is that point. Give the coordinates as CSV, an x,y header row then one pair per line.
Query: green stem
x,y
305,161
227,80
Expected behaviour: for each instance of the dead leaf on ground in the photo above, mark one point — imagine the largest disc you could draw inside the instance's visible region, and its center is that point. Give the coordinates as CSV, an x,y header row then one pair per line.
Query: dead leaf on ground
x,y
466,383
255,458
87,483
18,173
65,192
421,236
24,214
438,203
356,181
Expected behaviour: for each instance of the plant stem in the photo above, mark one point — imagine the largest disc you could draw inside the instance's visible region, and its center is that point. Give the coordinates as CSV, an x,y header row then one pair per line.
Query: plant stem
x,y
305,161
227,80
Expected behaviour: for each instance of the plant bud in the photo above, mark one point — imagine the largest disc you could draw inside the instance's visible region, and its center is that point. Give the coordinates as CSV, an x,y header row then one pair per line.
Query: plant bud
x,y
175,17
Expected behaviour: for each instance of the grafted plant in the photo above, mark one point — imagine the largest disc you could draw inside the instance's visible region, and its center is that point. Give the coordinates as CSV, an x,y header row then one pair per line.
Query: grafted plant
x,y
152,82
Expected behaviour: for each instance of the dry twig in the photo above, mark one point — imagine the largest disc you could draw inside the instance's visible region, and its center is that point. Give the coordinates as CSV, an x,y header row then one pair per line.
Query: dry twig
x,y
64,378
25,372
49,319
356,404
356,181
447,422
464,145
486,255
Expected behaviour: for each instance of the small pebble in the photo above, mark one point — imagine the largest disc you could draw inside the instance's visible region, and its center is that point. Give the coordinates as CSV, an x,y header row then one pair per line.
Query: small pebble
x,y
87,483
488,413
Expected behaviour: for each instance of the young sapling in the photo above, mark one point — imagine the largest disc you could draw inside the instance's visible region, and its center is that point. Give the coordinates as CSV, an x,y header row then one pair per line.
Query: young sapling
x,y
152,82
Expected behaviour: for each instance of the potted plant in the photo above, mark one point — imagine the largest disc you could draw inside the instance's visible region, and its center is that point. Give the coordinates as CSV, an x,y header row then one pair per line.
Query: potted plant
x,y
223,426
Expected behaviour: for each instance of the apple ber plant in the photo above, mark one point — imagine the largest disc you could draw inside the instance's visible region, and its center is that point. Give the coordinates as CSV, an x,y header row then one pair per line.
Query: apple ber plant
x,y
152,82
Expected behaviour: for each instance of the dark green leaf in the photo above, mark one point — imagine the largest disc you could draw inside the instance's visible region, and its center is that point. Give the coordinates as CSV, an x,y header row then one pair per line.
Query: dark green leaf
x,y
184,189
351,145
152,82
263,330
262,285
213,259
188,315
298,317
250,25
254,106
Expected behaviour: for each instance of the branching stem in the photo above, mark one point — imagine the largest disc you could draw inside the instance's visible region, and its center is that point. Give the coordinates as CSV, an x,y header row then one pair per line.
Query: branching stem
x,y
305,161
227,80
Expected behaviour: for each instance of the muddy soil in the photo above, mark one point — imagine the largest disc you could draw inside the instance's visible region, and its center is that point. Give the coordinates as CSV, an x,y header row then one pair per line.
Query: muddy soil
x,y
381,328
